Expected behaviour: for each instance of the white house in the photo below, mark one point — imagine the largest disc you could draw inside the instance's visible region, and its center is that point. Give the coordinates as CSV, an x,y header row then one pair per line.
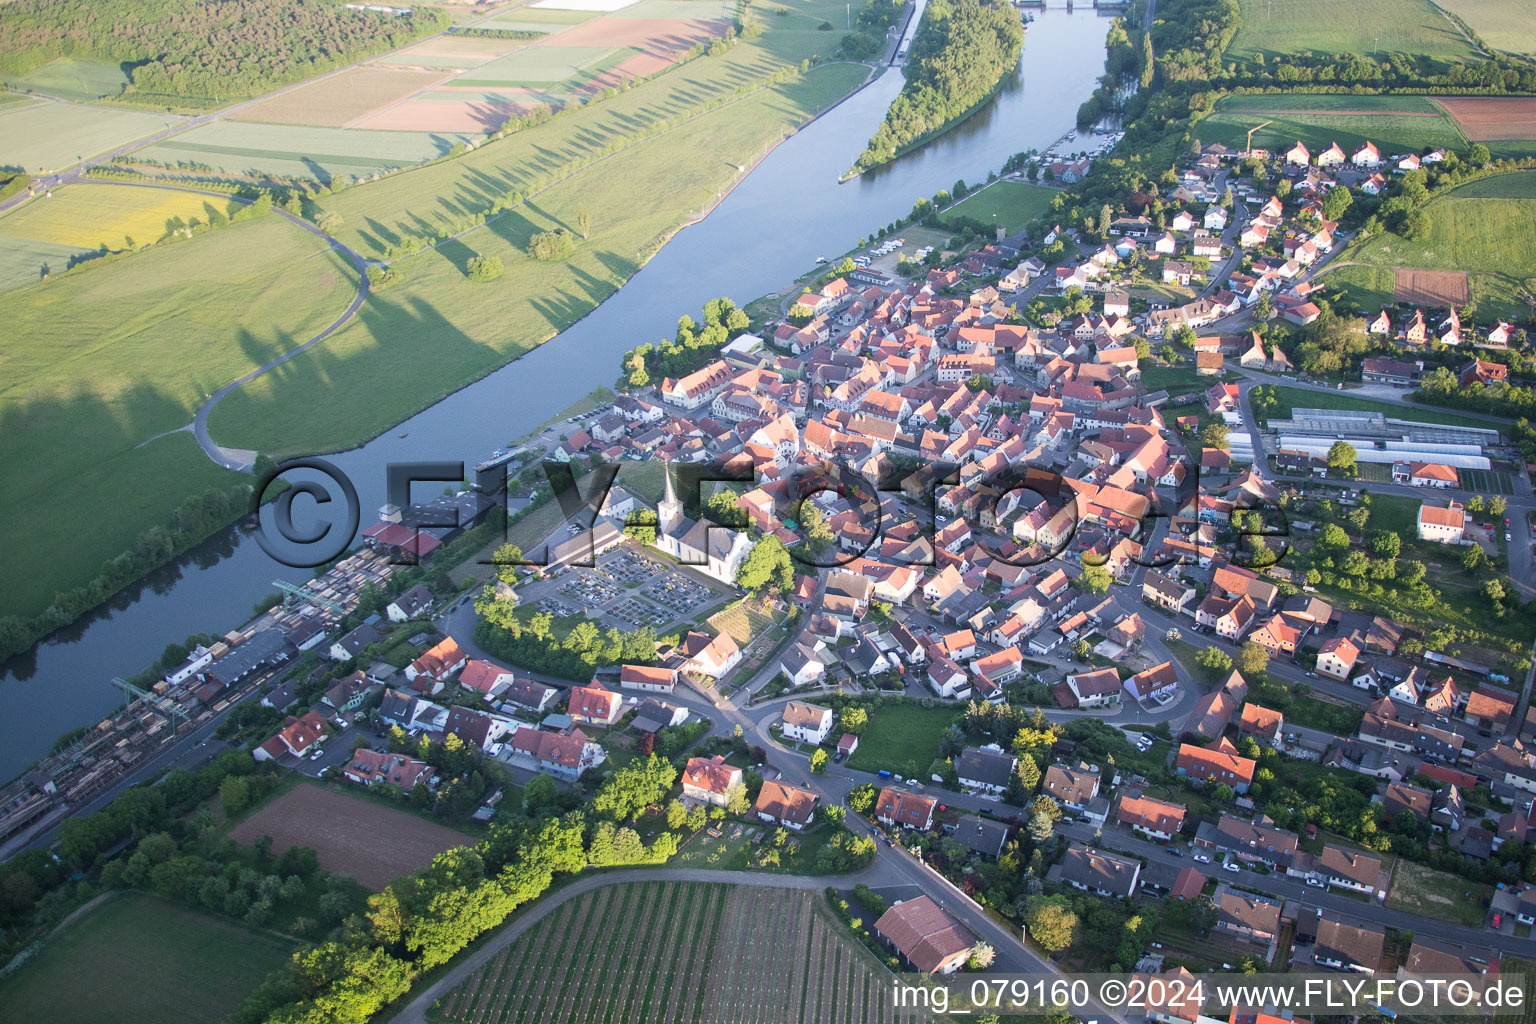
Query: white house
x,y
806,723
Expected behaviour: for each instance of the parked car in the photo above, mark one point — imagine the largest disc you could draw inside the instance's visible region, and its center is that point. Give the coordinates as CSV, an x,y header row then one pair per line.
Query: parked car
x,y
1203,858
1231,865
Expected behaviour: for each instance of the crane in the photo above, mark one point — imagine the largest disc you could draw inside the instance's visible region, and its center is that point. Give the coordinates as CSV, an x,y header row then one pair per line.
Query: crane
x,y
304,594
1248,146
170,710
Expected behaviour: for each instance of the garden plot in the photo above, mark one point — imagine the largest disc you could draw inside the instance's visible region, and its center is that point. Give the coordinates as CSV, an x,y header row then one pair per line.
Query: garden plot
x,y
346,832
341,99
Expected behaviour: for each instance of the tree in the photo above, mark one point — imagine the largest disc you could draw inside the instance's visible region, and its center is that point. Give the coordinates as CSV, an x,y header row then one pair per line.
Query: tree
x,y
1094,580
1336,202
483,268
799,315
328,221
583,221
736,801
1386,544
539,793
1333,538
1041,827
766,565
861,798
1050,922
1214,661
982,957
1341,459
1251,659
1497,506
1215,435
853,720
1080,648
1221,794
552,246
818,760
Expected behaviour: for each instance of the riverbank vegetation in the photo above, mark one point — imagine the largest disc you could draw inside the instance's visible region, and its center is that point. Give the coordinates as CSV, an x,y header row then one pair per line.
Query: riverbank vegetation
x,y
962,52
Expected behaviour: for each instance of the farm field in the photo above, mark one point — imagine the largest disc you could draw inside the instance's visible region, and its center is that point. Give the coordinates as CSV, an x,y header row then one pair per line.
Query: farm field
x,y
102,359
72,78
340,99
345,831
298,151
903,739
1478,228
678,951
202,966
453,52
44,135
357,383
1384,26
108,216
1506,124
1011,204
1503,24
1395,123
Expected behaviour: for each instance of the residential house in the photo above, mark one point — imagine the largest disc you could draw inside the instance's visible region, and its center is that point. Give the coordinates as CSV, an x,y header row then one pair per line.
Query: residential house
x,y
1442,525
896,807
1073,788
806,723
1346,947
1221,764
1349,868
1155,819
377,768
710,780
787,806
593,705
925,936
1099,872
984,770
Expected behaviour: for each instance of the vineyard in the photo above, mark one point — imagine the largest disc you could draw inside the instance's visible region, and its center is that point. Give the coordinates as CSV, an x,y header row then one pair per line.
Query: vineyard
x,y
678,951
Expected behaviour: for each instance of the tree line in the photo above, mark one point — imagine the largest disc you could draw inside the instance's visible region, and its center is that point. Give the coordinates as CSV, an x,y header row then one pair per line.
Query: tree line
x,y
198,50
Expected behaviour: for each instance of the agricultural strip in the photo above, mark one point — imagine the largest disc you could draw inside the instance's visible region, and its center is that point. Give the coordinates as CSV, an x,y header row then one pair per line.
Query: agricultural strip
x,y
292,151
339,99
202,966
1319,26
1506,124
370,374
102,359
345,831
72,78
49,136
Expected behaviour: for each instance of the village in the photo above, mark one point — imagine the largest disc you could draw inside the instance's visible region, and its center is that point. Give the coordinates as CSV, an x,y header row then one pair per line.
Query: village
x,y
987,582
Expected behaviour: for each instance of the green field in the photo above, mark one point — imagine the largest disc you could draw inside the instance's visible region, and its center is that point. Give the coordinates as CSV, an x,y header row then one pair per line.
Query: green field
x,y
903,739
43,135
658,952
72,78
1502,24
1383,26
370,374
1320,120
22,260
102,359
296,151
1010,204
1288,398
535,66
1481,228
138,959
1419,889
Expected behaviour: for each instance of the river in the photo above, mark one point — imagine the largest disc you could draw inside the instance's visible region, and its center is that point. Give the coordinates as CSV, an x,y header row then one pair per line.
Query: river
x,y
785,213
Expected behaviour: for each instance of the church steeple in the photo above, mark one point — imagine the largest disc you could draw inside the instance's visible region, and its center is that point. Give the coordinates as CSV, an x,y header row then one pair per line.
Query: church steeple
x,y
670,508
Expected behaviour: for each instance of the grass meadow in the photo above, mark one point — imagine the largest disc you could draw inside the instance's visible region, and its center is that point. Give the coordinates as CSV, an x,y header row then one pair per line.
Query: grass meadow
x,y
1481,228
102,359
1278,27
72,78
202,966
371,374
22,260
45,135
1302,398
902,738
1503,24
111,216
1395,123
1012,204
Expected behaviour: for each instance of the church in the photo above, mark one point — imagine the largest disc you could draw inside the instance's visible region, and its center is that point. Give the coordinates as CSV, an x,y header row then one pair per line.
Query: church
x,y
716,551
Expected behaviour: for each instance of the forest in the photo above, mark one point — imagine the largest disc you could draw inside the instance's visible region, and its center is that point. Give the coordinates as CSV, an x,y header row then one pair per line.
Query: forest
x,y
198,52
961,52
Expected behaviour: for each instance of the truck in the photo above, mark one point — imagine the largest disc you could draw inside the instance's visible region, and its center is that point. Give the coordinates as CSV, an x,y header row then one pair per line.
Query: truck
x,y
884,774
